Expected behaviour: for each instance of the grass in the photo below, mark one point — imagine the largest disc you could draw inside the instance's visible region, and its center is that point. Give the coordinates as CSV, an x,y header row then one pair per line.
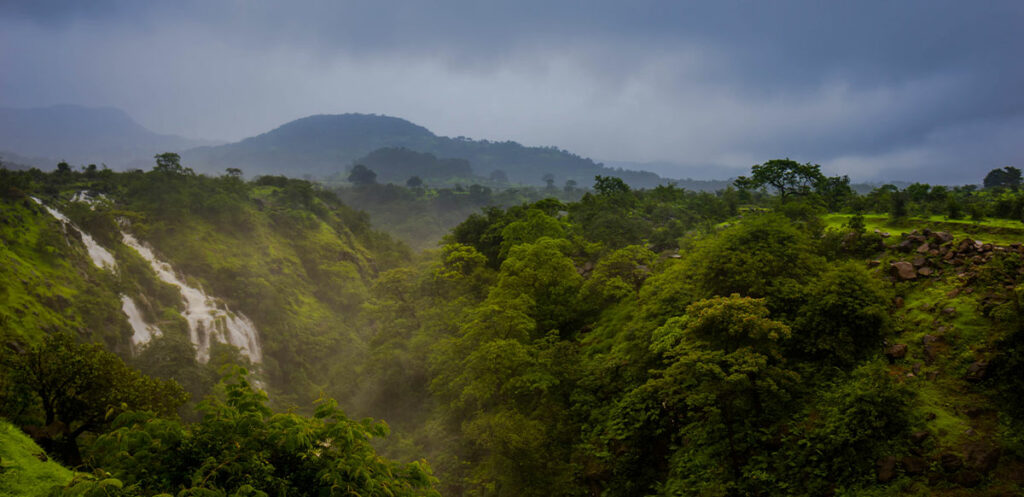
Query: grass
x,y
999,231
21,472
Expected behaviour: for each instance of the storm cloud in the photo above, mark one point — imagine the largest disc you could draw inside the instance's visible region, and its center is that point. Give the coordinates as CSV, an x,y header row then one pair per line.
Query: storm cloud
x,y
927,90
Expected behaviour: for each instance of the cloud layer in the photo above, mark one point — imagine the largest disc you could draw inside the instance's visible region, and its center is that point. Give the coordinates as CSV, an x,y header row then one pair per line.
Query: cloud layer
x,y
877,90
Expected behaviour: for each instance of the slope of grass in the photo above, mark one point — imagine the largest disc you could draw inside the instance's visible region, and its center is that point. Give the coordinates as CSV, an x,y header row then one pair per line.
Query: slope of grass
x,y
22,472
1001,231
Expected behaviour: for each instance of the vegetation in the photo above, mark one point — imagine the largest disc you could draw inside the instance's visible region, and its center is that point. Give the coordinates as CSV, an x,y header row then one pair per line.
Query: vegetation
x,y
616,341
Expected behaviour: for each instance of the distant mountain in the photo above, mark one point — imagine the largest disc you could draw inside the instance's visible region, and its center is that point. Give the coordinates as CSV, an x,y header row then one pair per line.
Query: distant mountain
x,y
82,135
325,145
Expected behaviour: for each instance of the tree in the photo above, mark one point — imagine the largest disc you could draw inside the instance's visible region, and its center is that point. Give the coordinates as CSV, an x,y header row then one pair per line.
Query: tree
x,y
170,163
1007,177
788,177
362,176
549,180
610,186
234,172
727,382
570,185
414,182
241,447
72,388
498,176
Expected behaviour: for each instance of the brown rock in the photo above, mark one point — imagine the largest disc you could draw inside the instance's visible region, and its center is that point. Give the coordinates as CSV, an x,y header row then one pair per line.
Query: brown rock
x,y
983,458
949,311
925,271
967,479
924,248
976,371
886,469
918,437
897,302
950,462
919,261
873,263
898,351
904,270
942,236
914,465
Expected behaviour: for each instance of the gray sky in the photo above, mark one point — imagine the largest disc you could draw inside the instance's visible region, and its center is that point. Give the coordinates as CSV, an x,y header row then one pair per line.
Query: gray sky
x,y
930,90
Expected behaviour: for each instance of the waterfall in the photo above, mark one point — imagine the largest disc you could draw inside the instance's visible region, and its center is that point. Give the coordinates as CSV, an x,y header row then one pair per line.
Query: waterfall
x,y
100,256
207,319
143,332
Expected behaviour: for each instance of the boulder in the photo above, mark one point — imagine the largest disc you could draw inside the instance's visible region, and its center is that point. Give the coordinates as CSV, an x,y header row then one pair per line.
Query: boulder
x,y
951,463
898,351
942,236
913,465
919,261
886,469
925,271
904,270
976,371
983,458
924,248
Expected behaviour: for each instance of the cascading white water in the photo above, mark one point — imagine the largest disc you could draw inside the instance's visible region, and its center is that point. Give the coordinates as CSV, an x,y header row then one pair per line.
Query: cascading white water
x,y
99,255
206,319
143,332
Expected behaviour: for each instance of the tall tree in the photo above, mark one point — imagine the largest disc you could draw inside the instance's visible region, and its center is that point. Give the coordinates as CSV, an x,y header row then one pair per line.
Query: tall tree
x,y
788,177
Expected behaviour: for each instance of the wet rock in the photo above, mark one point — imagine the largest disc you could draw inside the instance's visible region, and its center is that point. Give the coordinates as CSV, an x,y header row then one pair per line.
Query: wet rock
x,y
913,465
983,458
885,469
967,479
898,351
951,463
976,371
904,270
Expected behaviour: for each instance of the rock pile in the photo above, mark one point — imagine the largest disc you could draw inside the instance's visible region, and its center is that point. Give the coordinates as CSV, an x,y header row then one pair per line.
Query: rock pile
x,y
933,250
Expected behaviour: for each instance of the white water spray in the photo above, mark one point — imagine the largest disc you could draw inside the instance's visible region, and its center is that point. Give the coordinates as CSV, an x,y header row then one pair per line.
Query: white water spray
x,y
143,332
100,256
206,319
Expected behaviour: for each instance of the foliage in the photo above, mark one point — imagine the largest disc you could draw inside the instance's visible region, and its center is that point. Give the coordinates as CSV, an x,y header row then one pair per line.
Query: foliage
x,y
241,447
786,176
66,389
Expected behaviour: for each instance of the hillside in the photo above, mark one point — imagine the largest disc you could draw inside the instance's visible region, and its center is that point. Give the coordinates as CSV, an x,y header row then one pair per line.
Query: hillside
x,y
82,135
25,470
325,145
167,257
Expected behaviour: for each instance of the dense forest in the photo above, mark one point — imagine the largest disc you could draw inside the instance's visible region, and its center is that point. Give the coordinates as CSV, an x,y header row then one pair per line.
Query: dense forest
x,y
784,336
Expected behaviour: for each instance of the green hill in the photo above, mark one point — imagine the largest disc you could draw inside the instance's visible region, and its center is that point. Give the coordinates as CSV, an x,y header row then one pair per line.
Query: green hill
x,y
25,470
325,145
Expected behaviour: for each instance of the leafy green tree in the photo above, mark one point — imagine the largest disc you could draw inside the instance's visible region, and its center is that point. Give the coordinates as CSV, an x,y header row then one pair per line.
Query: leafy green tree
x,y
1007,177
360,175
788,177
728,381
68,388
835,191
241,447
844,318
414,182
610,186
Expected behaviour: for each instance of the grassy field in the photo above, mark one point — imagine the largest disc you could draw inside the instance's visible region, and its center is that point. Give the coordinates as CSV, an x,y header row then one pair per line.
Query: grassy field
x,y
1000,231
21,472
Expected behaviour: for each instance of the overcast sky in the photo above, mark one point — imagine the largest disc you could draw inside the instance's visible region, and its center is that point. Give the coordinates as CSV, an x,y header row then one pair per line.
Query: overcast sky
x,y
930,90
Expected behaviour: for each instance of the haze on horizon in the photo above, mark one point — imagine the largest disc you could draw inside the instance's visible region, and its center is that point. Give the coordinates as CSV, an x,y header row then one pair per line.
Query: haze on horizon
x,y
922,90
